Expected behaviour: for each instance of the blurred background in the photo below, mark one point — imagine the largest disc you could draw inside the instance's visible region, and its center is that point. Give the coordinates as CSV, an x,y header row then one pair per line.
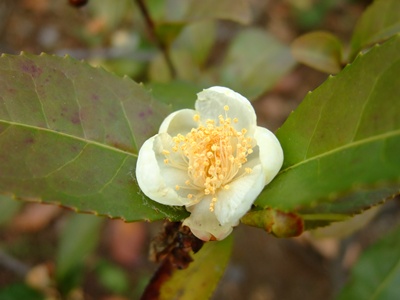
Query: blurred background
x,y
247,50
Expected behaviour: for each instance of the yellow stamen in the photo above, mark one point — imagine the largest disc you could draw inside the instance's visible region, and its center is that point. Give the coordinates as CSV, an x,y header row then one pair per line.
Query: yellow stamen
x,y
212,154
212,204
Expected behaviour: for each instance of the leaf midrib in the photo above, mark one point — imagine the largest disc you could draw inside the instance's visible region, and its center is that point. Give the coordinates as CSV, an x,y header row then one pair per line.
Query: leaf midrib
x,y
73,137
338,149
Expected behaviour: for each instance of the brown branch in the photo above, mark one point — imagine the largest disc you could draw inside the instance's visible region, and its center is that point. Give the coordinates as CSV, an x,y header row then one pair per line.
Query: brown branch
x,y
172,248
159,41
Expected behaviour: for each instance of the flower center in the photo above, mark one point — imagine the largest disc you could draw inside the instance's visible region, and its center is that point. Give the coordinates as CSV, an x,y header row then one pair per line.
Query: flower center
x,y
214,153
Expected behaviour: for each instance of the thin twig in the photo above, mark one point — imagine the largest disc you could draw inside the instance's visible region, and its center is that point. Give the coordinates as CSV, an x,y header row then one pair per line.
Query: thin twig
x,y
12,264
152,30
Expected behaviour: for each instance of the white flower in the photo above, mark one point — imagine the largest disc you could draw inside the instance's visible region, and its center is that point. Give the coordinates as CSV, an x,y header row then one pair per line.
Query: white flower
x,y
214,160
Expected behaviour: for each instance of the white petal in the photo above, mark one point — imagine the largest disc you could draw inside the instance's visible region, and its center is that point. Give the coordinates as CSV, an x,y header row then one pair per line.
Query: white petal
x,y
271,153
175,172
204,224
150,179
232,204
177,122
210,104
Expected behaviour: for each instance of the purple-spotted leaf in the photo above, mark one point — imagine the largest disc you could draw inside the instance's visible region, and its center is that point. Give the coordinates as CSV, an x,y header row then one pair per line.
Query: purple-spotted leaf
x,y
199,280
379,22
319,50
70,133
342,143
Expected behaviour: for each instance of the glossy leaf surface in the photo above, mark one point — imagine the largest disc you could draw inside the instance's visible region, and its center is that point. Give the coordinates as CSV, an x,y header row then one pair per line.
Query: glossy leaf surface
x,y
70,133
342,143
379,22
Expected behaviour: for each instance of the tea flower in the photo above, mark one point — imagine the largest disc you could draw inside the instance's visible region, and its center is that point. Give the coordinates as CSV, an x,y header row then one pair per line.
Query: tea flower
x,y
213,160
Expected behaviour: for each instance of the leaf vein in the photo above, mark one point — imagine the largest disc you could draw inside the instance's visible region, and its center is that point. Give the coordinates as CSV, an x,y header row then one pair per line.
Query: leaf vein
x,y
357,127
40,102
114,176
67,163
79,105
314,131
48,130
5,130
129,125
353,144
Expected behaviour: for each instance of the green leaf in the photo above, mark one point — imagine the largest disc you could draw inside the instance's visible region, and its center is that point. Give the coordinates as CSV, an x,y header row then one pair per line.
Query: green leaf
x,y
319,50
340,230
376,275
173,11
342,143
199,280
78,239
238,11
70,133
20,291
198,39
184,63
171,16
8,208
111,13
123,66
254,63
178,94
379,22
112,277
188,54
